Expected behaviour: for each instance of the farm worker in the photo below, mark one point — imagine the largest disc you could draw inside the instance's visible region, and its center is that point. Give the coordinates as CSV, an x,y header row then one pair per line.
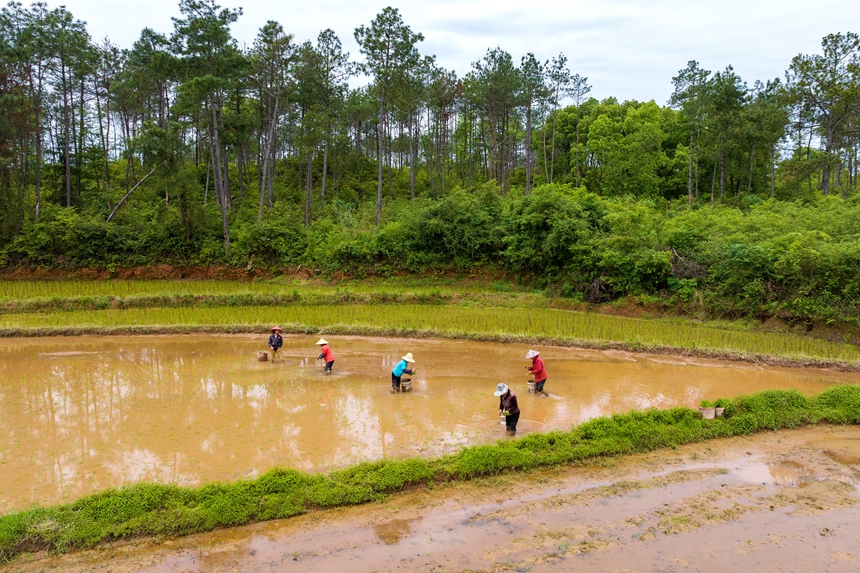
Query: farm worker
x,y
401,368
537,368
325,354
276,341
509,407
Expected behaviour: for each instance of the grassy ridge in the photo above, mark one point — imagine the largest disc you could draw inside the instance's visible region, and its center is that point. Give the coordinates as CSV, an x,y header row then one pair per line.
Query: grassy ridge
x,y
153,509
452,321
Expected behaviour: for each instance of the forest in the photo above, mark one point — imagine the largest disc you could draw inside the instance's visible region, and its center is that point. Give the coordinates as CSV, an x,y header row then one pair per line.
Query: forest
x,y
189,149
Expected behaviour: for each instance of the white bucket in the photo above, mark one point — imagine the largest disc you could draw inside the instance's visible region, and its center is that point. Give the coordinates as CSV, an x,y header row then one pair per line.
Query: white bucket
x,y
708,413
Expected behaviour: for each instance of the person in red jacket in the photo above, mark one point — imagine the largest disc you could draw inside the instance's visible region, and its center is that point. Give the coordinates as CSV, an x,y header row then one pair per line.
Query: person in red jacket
x,y
538,369
325,354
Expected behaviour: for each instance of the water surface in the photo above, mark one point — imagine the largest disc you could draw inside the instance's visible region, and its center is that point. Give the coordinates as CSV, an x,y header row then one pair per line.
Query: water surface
x,y
87,413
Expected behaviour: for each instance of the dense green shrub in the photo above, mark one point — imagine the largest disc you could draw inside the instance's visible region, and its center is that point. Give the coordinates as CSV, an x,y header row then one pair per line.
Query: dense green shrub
x,y
797,259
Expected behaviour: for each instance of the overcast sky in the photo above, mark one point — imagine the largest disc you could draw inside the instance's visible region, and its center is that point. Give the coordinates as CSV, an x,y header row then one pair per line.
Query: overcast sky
x,y
629,50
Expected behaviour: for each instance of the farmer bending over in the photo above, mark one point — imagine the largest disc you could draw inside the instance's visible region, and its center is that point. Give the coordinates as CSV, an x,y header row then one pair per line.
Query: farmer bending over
x,y
325,354
275,341
400,369
509,407
537,368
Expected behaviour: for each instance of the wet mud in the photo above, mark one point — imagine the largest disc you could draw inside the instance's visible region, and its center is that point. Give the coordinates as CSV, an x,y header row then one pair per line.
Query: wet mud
x,y
87,413
777,501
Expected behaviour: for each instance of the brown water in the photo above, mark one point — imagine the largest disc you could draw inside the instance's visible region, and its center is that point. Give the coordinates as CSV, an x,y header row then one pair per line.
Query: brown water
x,y
775,501
79,415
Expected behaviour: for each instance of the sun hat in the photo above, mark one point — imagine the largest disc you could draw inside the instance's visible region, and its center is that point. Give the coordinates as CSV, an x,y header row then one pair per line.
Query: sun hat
x,y
531,354
501,389
322,341
278,328
408,357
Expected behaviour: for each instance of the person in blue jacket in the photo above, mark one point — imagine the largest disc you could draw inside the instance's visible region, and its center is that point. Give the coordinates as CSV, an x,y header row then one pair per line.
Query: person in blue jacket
x,y
401,369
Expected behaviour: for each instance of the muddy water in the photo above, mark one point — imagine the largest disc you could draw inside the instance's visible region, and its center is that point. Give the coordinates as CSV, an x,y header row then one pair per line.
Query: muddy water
x,y
84,414
775,501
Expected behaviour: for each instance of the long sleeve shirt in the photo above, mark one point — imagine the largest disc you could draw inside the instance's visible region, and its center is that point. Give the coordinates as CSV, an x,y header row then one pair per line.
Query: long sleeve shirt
x,y
401,368
508,401
276,341
538,369
326,353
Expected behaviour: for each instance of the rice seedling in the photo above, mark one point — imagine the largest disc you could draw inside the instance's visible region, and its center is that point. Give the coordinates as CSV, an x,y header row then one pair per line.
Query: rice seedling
x,y
447,321
23,290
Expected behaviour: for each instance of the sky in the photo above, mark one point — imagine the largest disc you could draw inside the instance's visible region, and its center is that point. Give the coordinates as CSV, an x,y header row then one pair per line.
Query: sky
x,y
626,49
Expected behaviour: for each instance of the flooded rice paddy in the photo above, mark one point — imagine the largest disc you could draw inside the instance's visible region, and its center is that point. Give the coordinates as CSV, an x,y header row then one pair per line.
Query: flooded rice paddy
x,y
774,501
84,414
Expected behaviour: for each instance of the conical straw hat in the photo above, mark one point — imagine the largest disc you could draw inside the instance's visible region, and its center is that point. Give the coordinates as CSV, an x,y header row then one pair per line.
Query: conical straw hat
x,y
322,341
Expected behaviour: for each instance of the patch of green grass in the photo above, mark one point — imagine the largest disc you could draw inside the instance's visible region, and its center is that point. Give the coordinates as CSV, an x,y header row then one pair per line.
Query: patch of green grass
x,y
159,510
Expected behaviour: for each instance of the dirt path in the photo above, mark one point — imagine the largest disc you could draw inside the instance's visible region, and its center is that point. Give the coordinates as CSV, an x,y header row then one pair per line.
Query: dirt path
x,y
782,501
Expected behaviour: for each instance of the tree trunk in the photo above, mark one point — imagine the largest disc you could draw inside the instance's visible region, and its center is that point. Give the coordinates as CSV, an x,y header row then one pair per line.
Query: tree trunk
x,y
79,148
267,153
66,160
324,172
752,162
528,149
379,158
38,163
218,172
106,173
308,187
552,144
413,154
690,171
239,165
825,168
576,161
772,169
713,181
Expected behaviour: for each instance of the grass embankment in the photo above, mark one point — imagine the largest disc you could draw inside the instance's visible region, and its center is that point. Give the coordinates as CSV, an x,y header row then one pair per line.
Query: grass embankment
x,y
537,325
159,510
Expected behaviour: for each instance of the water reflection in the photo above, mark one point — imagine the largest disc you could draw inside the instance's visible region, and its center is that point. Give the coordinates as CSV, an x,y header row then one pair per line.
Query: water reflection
x,y
84,414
